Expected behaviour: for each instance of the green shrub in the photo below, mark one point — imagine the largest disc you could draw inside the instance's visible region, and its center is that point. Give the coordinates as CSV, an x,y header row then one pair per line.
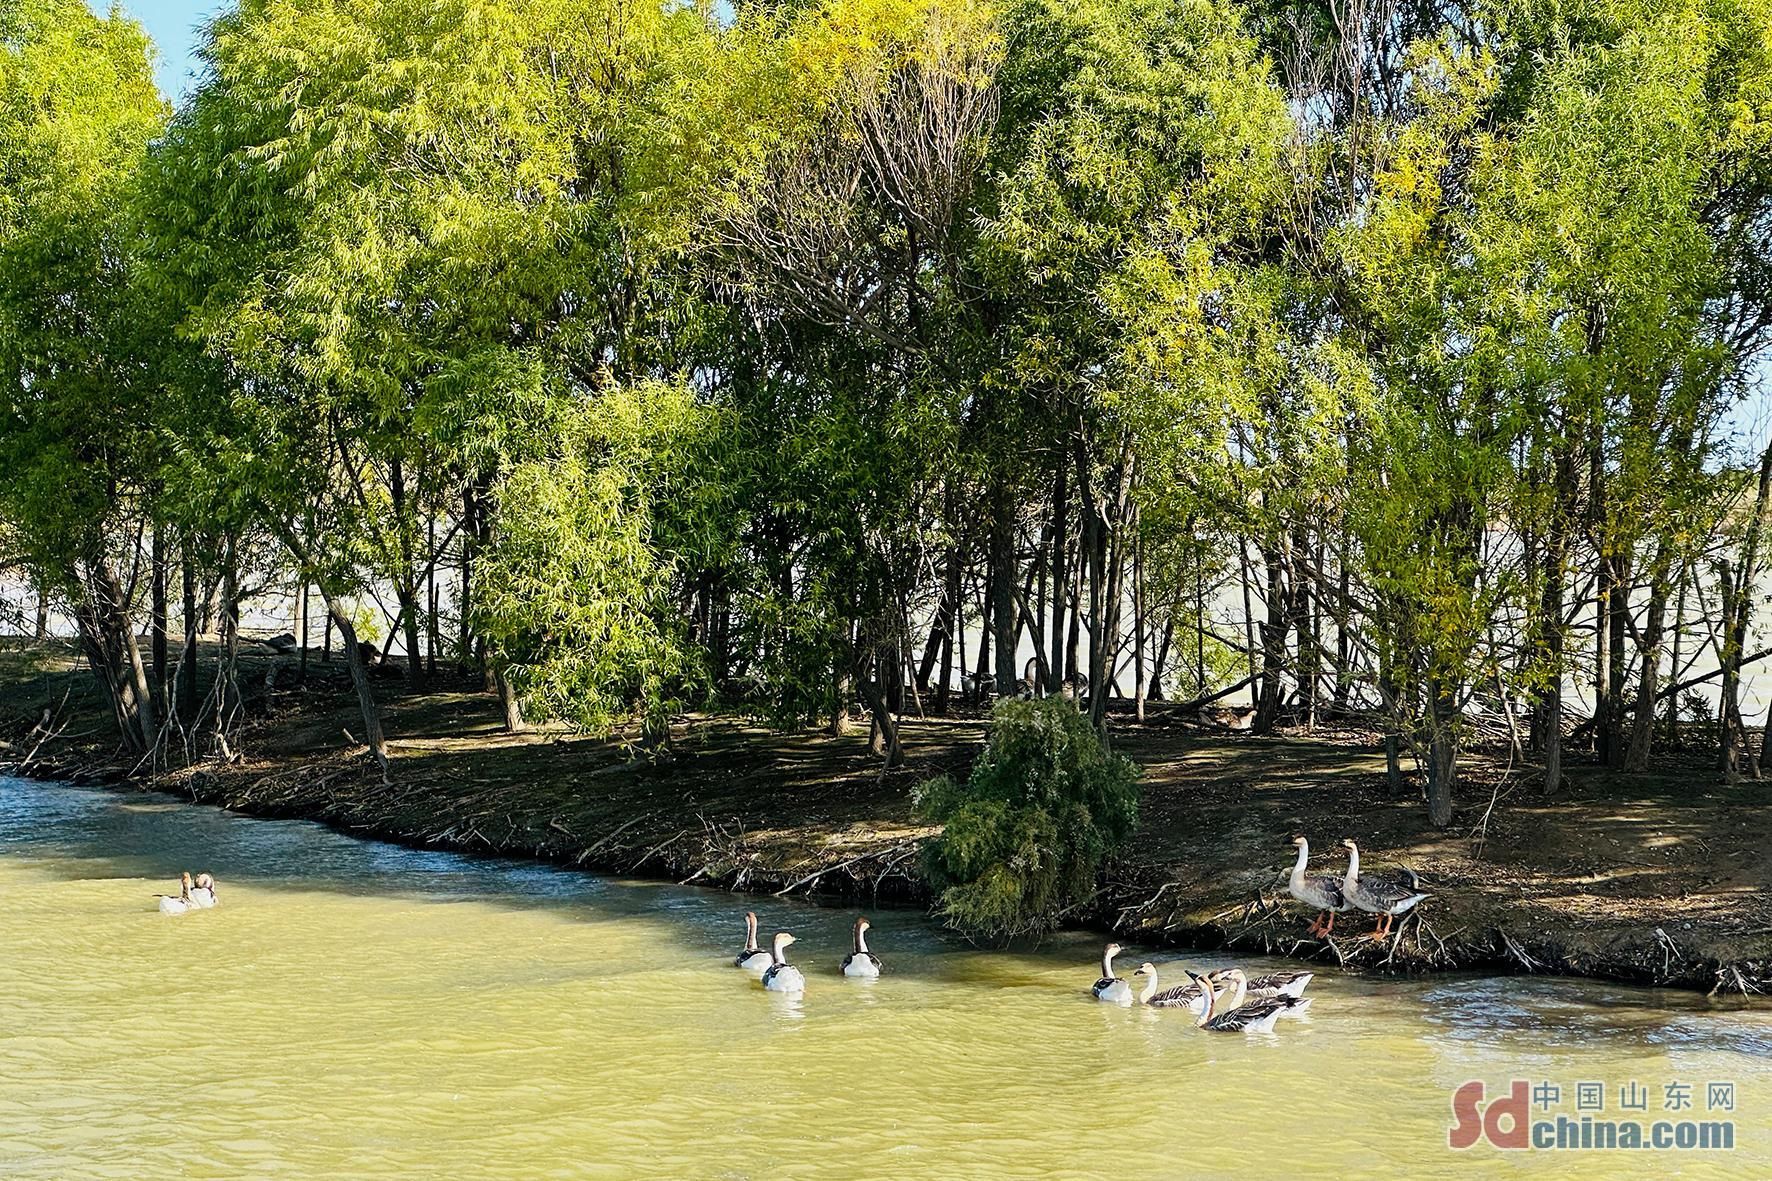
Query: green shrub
x,y
1026,833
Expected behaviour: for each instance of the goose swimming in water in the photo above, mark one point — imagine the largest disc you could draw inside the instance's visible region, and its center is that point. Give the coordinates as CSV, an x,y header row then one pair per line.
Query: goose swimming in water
x,y
181,902
1317,890
1255,1017
782,976
1276,983
1110,989
203,893
1244,993
861,962
752,958
1183,996
1380,896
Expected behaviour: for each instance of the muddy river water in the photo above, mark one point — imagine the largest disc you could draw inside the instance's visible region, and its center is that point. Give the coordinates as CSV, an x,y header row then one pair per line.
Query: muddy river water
x,y
355,1009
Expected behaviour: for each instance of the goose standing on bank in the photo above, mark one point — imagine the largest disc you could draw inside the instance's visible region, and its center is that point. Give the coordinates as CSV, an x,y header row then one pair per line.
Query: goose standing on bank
x,y
203,892
181,902
1110,989
861,962
752,958
1182,996
1255,1017
782,976
1381,896
1318,890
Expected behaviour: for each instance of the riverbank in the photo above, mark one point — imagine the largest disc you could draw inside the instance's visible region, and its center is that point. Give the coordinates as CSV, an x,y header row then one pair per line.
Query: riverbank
x,y
1658,879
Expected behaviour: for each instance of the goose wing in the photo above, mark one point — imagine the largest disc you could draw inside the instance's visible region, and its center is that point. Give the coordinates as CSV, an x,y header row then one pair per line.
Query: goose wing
x,y
1280,981
1320,891
1252,1013
1181,994
1383,894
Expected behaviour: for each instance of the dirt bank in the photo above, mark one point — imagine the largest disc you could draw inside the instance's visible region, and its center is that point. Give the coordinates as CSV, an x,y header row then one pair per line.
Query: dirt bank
x,y
1659,878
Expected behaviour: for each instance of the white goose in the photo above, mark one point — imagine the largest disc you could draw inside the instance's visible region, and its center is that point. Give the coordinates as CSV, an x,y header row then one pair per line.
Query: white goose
x,y
203,893
1110,989
181,902
752,958
861,962
782,976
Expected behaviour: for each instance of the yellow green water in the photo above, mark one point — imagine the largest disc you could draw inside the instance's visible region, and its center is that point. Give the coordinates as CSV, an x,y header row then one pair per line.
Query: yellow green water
x,y
352,1009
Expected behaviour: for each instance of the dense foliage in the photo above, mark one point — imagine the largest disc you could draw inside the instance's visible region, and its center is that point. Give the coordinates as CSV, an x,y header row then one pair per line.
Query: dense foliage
x,y
1385,359
1027,831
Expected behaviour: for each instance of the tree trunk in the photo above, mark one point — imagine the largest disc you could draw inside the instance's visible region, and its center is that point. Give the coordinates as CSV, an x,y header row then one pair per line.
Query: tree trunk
x,y
106,634
1343,614
41,630
464,601
938,627
301,639
138,672
1618,604
509,701
1275,627
1158,691
1304,623
1060,578
949,616
1643,723
353,652
1003,579
227,685
1671,739
432,638
981,669
157,618
406,585
1442,773
187,661
839,723
883,739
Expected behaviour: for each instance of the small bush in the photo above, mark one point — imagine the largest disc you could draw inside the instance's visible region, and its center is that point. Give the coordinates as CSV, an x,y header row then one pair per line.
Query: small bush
x,y
1026,833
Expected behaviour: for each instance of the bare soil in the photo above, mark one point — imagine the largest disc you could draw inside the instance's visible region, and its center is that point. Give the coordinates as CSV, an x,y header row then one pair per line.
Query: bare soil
x,y
1658,878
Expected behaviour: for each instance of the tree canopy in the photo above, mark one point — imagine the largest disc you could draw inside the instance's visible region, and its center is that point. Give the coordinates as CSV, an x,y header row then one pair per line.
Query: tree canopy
x,y
803,358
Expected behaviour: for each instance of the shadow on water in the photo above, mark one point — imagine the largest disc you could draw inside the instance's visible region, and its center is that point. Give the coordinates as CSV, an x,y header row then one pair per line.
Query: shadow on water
x,y
86,834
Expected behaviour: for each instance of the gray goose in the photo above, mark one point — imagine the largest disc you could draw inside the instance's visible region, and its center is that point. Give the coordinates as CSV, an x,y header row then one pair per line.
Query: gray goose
x,y
1381,896
1320,891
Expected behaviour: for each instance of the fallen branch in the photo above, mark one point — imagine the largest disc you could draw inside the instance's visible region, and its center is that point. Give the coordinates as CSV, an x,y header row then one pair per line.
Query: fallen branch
x,y
585,854
812,877
1518,952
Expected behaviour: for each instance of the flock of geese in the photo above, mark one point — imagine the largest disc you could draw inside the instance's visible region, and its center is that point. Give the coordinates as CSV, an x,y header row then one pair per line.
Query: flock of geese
x,y
193,894
1243,1005
1225,1000
777,975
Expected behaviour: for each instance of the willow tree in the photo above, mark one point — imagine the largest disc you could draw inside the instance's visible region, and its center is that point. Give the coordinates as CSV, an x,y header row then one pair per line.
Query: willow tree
x,y
416,237
1607,230
1141,157
78,448
1537,284
840,249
